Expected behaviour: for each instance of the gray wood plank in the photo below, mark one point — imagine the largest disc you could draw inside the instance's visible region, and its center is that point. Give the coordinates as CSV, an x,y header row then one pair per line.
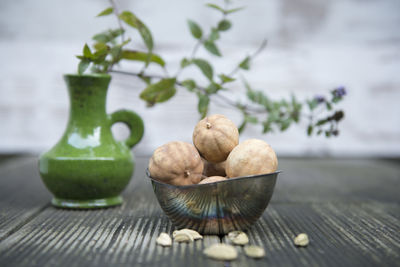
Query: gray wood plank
x,y
326,180
116,236
22,194
340,235
345,229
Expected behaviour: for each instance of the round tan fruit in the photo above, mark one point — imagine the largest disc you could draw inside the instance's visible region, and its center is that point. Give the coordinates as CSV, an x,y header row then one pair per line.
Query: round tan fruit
x,y
215,137
176,163
213,179
251,157
214,169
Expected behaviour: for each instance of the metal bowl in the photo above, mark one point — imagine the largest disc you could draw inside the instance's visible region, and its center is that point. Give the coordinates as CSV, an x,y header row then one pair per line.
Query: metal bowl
x,y
219,207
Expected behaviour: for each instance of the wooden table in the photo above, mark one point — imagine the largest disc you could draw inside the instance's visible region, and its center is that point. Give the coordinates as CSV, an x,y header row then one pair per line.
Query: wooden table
x,y
349,208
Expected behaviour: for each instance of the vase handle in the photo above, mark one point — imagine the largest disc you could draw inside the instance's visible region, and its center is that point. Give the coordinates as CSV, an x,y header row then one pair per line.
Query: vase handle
x,y
134,123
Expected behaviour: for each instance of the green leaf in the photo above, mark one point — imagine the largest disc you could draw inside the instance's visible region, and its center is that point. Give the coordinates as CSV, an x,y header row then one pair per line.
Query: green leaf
x,y
212,48
146,36
247,119
273,116
124,43
260,98
106,12
185,62
101,38
146,79
233,10
86,52
312,104
247,86
245,64
226,79
142,56
327,133
328,105
213,88
107,36
224,25
295,115
101,66
189,84
285,124
129,18
216,7
195,29
133,21
309,130
251,119
267,126
242,126
214,35
205,68
116,53
100,46
336,99
203,104
83,65
321,122
100,55
160,91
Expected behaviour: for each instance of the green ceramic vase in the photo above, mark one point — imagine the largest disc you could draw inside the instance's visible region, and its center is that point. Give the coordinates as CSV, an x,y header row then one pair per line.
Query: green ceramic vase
x,y
88,168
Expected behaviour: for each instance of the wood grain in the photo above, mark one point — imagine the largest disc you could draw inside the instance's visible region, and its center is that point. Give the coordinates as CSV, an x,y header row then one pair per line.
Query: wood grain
x,y
22,195
344,230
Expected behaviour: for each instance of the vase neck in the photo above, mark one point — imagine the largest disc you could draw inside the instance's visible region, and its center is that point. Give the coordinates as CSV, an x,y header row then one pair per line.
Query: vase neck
x,y
88,95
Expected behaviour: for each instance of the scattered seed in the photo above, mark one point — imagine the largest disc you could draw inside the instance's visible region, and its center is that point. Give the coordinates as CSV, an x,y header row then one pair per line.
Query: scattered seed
x,y
164,240
301,240
191,232
238,238
254,251
221,252
183,237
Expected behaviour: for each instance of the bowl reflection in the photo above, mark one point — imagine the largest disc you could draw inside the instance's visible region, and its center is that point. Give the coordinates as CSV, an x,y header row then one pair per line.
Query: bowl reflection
x,y
219,207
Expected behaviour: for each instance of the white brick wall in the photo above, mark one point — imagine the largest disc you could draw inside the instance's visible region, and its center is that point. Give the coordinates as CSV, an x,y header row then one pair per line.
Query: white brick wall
x,y
313,46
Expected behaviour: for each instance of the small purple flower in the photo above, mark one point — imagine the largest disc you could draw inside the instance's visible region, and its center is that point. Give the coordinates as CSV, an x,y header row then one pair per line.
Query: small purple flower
x,y
320,99
339,92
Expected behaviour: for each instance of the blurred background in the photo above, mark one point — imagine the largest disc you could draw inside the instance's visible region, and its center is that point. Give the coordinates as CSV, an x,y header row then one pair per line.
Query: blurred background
x,y
313,47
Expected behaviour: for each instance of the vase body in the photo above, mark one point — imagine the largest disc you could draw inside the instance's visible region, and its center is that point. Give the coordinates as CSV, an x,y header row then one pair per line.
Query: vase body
x,y
88,168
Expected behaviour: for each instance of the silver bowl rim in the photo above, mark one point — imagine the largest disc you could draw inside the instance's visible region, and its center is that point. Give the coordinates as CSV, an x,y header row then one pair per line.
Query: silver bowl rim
x,y
209,184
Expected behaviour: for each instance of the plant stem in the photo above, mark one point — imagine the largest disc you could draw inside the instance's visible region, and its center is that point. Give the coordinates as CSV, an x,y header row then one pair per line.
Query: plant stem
x,y
137,74
192,55
252,56
225,99
116,13
201,41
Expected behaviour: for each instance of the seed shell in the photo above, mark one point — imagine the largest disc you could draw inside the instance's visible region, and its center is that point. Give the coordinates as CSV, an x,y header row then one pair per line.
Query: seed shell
x,y
221,252
164,240
254,251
